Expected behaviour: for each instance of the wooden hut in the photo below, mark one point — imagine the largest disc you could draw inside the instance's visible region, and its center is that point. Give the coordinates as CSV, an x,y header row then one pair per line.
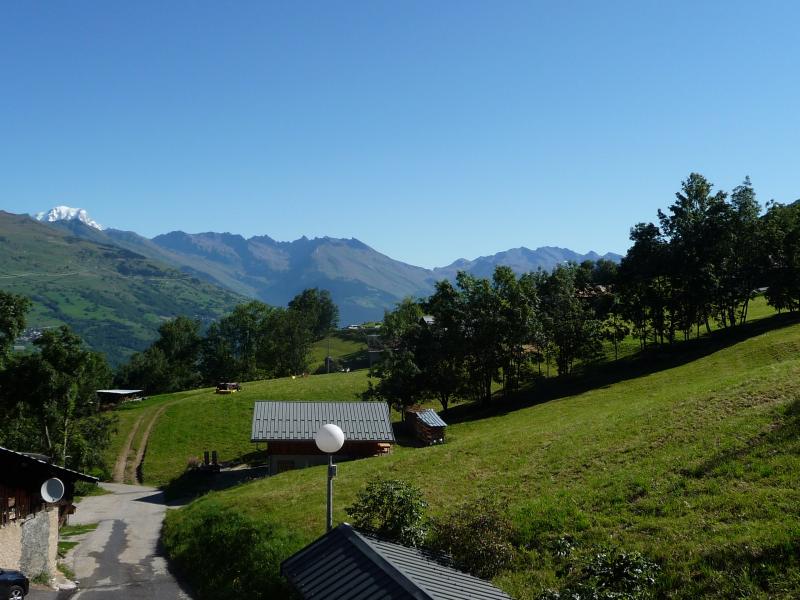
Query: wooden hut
x,y
288,428
426,425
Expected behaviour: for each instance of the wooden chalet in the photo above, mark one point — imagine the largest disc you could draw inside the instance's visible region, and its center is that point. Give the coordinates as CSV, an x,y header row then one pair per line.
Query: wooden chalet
x,y
288,429
426,425
28,524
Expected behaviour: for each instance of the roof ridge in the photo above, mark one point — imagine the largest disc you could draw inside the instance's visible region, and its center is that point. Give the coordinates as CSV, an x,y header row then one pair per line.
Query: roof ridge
x,y
398,575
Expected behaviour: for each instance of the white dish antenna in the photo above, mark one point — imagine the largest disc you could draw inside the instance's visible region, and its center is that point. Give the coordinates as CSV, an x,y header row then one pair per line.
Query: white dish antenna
x,y
53,490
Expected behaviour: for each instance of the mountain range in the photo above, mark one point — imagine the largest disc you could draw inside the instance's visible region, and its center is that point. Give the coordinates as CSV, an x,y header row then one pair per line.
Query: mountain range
x,y
223,268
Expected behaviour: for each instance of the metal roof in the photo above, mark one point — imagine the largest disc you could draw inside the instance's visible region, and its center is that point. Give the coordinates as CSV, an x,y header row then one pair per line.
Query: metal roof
x,y
43,464
431,417
299,421
348,565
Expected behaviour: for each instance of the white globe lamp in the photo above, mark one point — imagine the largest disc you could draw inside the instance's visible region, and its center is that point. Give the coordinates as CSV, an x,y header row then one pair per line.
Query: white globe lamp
x,y
330,439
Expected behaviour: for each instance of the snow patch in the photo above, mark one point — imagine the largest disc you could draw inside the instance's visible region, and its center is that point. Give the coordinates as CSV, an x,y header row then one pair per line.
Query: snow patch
x,y
67,213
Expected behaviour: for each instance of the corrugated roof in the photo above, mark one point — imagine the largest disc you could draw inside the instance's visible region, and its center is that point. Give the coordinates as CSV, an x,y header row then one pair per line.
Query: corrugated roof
x,y
360,421
348,565
54,469
431,417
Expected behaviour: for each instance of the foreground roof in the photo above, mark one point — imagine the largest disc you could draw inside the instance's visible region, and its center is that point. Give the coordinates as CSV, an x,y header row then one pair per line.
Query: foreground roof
x,y
299,421
31,461
348,565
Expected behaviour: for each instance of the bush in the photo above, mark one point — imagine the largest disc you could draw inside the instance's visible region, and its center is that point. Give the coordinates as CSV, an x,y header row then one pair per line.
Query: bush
x,y
477,535
245,554
391,509
608,575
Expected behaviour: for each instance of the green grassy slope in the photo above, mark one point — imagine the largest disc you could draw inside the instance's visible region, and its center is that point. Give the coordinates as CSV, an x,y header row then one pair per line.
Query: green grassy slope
x,y
203,420
695,465
114,298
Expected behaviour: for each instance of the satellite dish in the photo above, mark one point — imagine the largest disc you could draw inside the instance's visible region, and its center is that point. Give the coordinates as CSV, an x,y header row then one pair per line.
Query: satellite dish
x,y
52,490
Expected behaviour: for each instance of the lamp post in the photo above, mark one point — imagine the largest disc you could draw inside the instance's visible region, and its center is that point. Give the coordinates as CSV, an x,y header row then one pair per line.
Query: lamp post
x,y
330,439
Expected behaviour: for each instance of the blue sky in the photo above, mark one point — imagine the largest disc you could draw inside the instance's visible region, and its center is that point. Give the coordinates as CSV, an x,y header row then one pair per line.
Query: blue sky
x,y
429,130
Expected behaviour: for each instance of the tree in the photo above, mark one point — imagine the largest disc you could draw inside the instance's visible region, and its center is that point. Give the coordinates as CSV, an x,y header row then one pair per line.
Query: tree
x,y
782,256
569,322
482,330
12,321
238,346
291,342
439,352
170,364
52,393
391,509
317,308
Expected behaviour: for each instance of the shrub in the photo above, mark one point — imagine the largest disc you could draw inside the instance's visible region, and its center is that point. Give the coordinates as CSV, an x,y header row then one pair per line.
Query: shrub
x,y
245,554
392,509
477,535
608,575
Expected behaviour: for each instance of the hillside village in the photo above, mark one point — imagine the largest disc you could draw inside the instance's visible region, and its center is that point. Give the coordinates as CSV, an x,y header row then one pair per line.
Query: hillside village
x,y
488,428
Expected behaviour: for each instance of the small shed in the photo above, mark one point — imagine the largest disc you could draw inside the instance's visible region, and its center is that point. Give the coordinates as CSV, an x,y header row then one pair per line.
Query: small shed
x,y
288,428
111,398
28,524
349,565
427,425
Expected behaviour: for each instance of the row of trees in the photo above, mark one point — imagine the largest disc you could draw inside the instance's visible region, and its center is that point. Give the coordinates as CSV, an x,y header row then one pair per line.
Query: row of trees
x,y
698,267
470,334
255,341
47,397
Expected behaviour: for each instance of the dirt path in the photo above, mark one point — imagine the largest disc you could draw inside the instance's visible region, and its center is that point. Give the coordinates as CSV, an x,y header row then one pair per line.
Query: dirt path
x,y
134,469
118,474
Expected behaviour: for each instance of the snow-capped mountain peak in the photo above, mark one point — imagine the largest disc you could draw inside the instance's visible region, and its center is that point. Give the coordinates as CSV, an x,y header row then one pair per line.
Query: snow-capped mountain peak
x,y
67,213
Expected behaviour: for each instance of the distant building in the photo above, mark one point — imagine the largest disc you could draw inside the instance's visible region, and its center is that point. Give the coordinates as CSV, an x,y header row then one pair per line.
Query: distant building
x,y
28,524
349,565
288,429
110,398
428,320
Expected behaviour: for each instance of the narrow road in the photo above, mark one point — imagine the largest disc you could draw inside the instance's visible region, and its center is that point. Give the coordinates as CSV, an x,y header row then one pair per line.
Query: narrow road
x,y
122,558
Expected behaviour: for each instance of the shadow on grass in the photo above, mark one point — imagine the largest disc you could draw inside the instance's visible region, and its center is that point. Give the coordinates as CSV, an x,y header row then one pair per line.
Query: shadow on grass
x,y
785,432
196,482
601,375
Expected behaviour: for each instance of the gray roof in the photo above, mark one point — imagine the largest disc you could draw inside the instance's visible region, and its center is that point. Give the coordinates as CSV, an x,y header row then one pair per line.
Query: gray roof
x,y
43,465
431,418
299,421
348,565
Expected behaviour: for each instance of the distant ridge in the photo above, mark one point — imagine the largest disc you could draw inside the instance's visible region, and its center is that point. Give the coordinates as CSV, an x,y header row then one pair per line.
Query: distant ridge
x,y
115,298
363,282
521,260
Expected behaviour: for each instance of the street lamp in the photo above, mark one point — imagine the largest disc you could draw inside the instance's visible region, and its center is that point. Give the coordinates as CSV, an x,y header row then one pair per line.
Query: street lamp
x,y
330,439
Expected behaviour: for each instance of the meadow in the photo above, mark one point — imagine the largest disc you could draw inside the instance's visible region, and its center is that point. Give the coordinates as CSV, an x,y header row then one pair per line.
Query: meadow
x,y
688,456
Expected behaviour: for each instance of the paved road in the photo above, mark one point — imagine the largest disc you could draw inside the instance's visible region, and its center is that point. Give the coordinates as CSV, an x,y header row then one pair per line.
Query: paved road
x,y
121,558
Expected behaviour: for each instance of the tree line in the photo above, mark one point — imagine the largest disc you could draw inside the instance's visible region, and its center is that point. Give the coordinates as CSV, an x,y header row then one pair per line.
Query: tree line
x,y
47,397
697,267
255,341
